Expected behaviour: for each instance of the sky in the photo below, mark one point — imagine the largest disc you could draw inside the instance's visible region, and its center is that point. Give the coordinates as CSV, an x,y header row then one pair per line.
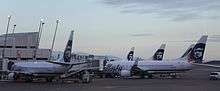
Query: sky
x,y
112,27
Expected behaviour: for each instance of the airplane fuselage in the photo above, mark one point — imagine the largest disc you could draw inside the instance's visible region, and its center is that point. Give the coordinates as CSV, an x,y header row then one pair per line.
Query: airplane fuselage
x,y
150,66
38,68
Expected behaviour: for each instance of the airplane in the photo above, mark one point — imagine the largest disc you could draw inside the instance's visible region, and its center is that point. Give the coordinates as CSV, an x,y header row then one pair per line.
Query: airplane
x,y
150,67
50,69
158,56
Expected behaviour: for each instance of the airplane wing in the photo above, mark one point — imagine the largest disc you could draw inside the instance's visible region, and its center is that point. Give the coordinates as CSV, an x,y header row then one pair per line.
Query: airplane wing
x,y
66,64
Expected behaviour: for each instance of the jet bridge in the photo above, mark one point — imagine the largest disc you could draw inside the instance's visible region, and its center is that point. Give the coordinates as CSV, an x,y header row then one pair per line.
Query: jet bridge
x,y
82,71
3,68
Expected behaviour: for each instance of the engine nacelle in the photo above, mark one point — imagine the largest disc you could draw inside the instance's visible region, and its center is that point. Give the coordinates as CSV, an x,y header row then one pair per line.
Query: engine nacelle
x,y
125,73
11,76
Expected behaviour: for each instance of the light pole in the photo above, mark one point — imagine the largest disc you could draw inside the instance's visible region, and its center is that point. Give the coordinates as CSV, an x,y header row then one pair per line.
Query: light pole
x,y
13,40
6,35
37,41
13,33
51,50
42,26
39,32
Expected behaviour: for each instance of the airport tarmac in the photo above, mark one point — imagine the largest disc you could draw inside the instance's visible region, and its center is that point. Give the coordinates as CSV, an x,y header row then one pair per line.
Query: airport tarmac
x,y
195,80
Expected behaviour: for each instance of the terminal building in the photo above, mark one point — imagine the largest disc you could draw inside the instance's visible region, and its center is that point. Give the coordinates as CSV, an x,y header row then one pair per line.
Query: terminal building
x,y
22,47
25,47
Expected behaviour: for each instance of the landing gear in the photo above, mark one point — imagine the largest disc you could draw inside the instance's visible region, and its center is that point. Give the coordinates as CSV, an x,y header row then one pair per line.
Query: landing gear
x,y
13,76
28,79
49,79
174,75
150,76
85,77
142,75
109,75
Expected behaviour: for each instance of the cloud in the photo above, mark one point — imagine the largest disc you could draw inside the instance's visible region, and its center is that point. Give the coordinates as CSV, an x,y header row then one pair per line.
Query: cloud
x,y
183,41
214,38
176,10
142,34
211,38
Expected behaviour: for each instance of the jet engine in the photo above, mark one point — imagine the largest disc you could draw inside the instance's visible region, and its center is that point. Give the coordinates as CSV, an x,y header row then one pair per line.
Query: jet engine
x,y
11,76
125,73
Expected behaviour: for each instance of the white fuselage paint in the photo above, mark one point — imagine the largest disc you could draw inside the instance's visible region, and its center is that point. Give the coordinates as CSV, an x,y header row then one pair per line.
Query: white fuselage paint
x,y
38,68
149,65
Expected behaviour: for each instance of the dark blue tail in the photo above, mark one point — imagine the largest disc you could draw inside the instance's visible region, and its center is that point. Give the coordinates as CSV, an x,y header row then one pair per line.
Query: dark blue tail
x,y
196,52
130,55
158,55
68,49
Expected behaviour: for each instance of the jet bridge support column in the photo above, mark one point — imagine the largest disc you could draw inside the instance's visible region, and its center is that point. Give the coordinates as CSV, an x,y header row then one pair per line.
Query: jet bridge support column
x,y
5,65
4,68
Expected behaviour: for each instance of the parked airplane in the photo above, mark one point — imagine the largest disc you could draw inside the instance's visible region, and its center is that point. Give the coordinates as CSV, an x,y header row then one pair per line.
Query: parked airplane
x,y
150,67
158,55
50,69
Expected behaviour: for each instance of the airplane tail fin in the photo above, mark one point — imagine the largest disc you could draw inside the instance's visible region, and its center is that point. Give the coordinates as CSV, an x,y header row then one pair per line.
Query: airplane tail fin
x,y
158,55
187,52
195,52
130,55
68,49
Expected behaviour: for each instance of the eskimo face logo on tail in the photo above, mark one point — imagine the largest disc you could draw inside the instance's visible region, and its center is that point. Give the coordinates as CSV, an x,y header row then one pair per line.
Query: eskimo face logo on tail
x,y
159,54
67,52
198,52
130,55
